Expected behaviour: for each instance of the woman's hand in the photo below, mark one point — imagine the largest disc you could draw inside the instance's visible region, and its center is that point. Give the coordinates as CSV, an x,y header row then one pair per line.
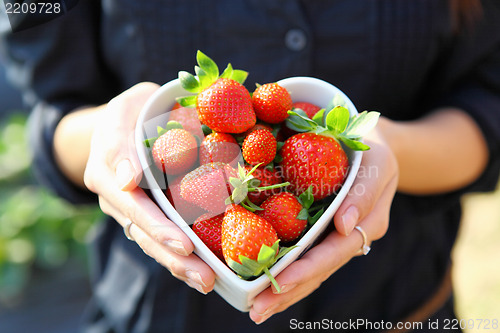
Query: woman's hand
x,y
367,205
113,172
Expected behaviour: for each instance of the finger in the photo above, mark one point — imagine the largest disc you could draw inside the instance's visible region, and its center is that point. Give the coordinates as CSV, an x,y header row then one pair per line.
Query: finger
x,y
376,171
191,269
136,206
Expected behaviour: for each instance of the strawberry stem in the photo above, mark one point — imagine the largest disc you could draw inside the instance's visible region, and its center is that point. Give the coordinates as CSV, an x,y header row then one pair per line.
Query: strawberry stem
x,y
272,279
270,187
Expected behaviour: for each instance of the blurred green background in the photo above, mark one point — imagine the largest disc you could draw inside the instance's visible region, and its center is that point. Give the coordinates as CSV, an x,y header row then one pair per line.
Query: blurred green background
x,y
37,230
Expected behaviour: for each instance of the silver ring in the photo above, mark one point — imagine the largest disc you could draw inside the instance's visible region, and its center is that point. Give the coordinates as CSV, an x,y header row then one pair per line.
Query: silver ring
x,y
126,229
365,249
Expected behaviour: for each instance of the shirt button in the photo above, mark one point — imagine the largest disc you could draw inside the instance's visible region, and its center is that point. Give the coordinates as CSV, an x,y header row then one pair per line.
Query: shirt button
x,y
295,40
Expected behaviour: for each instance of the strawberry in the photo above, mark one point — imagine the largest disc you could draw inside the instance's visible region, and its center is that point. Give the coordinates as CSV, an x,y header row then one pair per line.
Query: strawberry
x,y
208,187
175,151
263,177
187,210
271,102
256,127
222,102
259,147
311,159
309,108
286,214
188,118
306,109
219,147
249,243
209,229
244,233
226,106
316,158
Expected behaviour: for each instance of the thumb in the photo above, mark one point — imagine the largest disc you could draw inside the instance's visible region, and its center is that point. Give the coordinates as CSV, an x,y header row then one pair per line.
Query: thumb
x,y
127,177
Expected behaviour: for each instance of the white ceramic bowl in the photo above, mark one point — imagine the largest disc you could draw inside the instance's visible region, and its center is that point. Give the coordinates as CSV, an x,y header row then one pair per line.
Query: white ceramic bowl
x,y
239,293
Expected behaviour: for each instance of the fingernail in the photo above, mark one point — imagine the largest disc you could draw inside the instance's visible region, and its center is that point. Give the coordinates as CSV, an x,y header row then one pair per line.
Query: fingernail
x,y
350,218
285,288
196,286
176,246
266,314
124,173
194,281
195,277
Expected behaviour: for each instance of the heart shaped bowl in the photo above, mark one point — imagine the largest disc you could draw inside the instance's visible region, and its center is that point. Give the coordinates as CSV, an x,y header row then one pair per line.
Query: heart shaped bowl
x,y
236,291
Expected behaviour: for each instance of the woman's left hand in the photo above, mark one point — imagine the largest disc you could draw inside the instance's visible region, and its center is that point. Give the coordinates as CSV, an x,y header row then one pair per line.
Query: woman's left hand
x,y
367,205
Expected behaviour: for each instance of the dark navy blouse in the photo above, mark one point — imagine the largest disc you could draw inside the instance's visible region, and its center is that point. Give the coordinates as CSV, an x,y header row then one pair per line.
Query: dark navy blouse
x,y
401,58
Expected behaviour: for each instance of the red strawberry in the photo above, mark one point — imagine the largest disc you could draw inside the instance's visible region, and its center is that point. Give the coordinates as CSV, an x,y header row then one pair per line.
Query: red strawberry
x,y
188,118
259,147
316,158
311,159
175,151
244,233
256,127
209,228
187,210
282,211
222,102
208,186
309,108
271,103
226,106
250,245
265,177
219,147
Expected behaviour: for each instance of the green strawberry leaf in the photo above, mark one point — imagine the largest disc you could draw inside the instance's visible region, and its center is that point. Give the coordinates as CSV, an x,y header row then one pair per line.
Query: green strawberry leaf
x,y
318,117
313,219
353,144
206,130
250,206
189,82
236,182
339,100
228,72
303,214
170,125
299,122
284,251
361,124
242,173
306,198
266,254
203,77
337,119
173,124
241,270
149,142
187,101
239,76
208,65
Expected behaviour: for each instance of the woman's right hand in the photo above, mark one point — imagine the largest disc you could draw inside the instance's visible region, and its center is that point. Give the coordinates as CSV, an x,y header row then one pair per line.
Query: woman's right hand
x,y
113,172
